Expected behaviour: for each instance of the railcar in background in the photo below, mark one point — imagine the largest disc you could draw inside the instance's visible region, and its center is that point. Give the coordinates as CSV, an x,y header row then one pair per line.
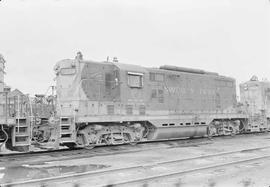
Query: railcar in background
x,y
25,121
255,97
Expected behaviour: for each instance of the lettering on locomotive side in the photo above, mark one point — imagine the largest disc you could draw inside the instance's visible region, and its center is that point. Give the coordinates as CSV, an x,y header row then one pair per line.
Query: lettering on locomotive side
x,y
207,91
175,90
181,91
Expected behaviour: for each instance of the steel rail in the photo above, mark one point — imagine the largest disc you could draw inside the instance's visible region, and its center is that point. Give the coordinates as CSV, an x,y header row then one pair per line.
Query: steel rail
x,y
125,169
175,174
82,153
183,140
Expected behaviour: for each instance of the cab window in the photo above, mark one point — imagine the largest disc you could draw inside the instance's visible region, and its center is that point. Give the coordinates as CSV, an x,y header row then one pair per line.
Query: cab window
x,y
135,80
68,71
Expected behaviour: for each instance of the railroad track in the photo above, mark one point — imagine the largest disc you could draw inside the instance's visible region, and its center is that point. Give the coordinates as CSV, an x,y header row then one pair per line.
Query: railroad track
x,y
140,180
145,180
67,154
67,150
99,151
182,143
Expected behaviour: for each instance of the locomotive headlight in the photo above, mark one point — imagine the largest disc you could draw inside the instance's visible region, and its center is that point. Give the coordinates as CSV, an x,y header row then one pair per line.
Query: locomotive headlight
x,y
245,87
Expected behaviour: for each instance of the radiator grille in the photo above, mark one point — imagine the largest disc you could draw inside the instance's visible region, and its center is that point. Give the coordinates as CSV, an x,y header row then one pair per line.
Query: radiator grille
x,y
129,109
110,109
142,110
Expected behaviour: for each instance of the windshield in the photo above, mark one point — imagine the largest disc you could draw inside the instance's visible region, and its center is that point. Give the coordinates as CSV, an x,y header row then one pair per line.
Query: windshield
x,y
67,71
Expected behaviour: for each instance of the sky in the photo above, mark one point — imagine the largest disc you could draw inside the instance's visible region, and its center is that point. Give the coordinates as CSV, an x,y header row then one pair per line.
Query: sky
x,y
231,37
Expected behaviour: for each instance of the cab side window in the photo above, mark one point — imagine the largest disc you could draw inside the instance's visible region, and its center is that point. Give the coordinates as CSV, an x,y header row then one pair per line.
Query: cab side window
x,y
135,80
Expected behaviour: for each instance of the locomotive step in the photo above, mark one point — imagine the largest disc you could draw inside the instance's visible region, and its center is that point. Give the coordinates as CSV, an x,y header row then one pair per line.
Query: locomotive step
x,y
65,125
21,141
66,132
21,125
21,130
66,128
21,118
22,144
67,140
21,135
65,120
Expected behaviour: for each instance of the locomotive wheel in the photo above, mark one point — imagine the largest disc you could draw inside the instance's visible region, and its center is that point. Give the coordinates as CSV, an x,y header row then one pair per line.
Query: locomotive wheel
x,y
70,145
211,131
89,147
133,143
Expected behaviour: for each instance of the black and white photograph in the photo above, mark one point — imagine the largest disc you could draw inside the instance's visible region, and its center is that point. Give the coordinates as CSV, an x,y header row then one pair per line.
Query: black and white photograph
x,y
134,93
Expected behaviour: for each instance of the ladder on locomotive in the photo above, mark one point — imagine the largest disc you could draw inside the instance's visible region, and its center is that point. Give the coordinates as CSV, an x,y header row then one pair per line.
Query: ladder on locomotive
x,y
67,129
21,133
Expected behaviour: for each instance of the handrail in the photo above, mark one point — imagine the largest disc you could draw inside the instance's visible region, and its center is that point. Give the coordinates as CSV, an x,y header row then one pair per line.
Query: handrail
x,y
18,114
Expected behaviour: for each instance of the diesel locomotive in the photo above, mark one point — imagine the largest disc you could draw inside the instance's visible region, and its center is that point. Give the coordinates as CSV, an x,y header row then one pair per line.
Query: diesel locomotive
x,y
107,103
103,103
